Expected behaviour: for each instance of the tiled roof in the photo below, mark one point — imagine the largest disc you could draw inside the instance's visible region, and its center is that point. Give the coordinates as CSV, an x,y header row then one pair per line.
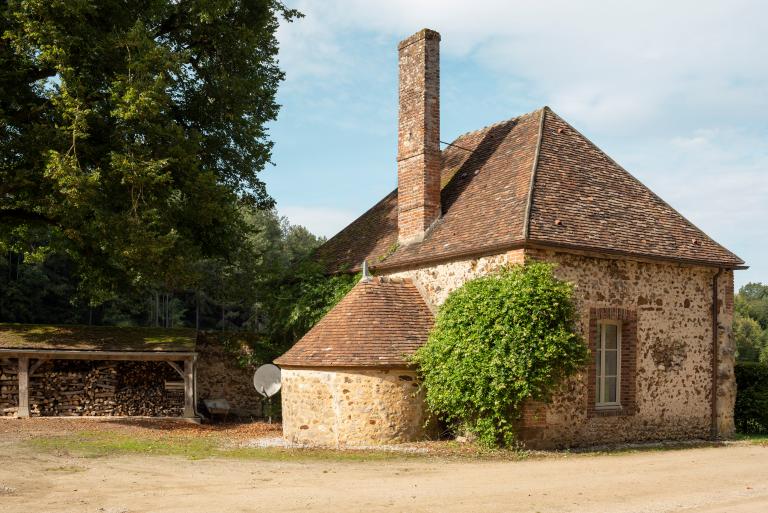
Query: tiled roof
x,y
580,198
376,325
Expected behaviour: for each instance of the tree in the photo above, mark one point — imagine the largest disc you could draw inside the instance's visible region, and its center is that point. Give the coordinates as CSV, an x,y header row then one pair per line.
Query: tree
x,y
498,341
132,133
752,301
749,338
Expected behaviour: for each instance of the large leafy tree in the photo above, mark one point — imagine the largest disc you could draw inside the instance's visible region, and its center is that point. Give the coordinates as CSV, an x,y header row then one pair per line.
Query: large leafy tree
x,y
132,133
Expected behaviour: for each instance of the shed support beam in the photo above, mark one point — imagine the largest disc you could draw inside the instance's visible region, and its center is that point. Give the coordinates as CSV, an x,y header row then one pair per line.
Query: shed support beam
x,y
23,412
36,366
189,389
177,368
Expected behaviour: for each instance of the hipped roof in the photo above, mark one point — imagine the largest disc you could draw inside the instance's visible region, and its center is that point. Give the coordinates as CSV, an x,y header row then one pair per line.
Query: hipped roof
x,y
531,180
379,323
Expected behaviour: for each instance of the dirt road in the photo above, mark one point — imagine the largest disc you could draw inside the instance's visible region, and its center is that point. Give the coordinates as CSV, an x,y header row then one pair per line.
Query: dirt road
x,y
730,479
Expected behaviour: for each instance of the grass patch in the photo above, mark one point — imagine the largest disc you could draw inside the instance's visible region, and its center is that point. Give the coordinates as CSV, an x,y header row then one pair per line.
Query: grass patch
x,y
755,439
102,444
97,444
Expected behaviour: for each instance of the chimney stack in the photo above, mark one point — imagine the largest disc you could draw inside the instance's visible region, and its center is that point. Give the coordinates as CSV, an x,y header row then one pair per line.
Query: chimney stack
x,y
418,136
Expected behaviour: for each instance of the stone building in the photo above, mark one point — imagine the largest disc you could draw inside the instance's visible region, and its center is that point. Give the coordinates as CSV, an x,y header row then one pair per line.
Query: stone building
x,y
653,292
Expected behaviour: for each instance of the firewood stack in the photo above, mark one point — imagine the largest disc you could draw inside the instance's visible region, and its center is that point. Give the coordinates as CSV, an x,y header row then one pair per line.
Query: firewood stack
x,y
97,388
9,391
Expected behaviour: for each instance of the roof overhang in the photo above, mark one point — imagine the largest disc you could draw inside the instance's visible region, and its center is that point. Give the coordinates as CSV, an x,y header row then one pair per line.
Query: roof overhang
x,y
77,354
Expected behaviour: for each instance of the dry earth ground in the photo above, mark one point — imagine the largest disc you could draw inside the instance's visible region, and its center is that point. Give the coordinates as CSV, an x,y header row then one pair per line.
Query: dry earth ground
x,y
39,476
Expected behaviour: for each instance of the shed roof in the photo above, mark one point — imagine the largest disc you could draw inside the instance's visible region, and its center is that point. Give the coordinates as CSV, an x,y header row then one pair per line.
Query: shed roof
x,y
379,323
533,179
96,338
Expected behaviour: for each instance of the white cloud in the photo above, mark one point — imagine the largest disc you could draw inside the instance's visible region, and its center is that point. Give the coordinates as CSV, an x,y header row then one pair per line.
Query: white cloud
x,y
676,91
324,221
609,64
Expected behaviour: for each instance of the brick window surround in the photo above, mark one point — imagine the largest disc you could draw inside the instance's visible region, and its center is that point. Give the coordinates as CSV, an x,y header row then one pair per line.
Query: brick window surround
x,y
627,393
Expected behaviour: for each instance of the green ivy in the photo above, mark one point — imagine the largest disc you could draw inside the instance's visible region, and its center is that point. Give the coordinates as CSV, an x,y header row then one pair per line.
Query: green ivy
x,y
498,341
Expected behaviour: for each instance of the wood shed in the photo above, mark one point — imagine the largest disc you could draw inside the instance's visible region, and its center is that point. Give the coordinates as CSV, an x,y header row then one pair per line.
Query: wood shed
x,y
97,370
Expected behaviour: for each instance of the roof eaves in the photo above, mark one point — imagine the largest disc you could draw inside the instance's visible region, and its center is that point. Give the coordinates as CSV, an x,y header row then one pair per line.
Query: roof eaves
x,y
544,244
444,257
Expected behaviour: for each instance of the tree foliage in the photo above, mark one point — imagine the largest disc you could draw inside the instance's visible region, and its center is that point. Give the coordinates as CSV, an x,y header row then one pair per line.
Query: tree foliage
x,y
498,341
750,324
300,299
224,294
751,410
132,133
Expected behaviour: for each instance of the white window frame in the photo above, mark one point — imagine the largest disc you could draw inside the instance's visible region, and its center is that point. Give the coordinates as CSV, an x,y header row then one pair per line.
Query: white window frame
x,y
600,379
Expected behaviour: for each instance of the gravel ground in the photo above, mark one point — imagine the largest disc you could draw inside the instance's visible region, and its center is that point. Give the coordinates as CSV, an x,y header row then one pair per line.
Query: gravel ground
x,y
732,479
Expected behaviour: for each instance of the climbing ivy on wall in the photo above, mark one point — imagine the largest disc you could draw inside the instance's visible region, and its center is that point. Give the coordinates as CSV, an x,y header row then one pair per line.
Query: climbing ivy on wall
x,y
498,341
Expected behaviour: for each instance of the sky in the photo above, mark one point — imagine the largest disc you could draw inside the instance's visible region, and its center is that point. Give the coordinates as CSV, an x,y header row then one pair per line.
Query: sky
x,y
676,92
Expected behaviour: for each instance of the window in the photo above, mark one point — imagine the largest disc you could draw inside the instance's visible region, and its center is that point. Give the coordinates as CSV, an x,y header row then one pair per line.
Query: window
x,y
608,364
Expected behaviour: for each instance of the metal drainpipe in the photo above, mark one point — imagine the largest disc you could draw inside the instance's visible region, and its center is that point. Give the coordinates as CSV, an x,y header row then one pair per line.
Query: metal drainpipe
x,y
715,350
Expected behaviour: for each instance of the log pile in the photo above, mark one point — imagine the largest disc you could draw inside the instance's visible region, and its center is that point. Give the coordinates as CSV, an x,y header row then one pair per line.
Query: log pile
x,y
95,388
9,391
72,391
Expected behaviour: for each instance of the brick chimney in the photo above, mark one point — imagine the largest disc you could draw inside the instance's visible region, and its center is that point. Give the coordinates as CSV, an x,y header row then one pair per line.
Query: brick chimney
x,y
418,136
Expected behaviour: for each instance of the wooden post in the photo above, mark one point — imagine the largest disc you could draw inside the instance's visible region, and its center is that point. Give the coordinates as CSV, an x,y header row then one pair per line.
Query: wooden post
x,y
189,391
23,412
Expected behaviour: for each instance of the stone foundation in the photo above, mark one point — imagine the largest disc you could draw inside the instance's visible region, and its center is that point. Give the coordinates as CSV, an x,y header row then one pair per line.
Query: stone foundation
x,y
351,407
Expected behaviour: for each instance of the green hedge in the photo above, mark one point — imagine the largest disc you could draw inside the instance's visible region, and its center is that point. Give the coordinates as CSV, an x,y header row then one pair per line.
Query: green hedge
x,y
752,398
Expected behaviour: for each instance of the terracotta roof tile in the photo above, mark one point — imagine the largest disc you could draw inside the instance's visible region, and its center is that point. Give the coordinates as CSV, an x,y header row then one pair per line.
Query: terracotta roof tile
x,y
580,199
376,325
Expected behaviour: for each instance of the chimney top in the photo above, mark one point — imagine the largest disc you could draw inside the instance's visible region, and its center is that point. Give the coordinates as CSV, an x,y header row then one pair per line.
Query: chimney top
x,y
418,36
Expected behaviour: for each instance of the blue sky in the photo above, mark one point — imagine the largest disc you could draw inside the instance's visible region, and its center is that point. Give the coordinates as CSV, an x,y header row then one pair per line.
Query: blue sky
x,y
676,92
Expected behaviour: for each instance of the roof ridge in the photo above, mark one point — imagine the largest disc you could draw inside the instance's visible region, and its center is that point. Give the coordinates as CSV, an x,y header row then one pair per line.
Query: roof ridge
x,y
497,123
639,182
529,200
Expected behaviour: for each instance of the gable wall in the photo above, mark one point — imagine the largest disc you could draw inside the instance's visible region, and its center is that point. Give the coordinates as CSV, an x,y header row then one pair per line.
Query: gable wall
x,y
670,308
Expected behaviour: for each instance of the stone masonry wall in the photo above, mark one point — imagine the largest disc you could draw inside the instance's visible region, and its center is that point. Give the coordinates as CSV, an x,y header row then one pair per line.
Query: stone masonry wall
x,y
351,407
219,376
436,282
673,384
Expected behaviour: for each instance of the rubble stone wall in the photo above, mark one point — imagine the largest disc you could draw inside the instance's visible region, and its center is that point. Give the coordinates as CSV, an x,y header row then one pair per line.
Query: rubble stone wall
x,y
351,407
672,304
220,376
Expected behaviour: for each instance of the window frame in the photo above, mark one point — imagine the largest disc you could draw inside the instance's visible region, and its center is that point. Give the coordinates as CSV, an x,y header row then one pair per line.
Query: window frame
x,y
600,377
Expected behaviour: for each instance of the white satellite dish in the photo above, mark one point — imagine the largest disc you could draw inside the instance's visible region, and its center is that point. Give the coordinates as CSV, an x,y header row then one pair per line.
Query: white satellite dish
x,y
267,380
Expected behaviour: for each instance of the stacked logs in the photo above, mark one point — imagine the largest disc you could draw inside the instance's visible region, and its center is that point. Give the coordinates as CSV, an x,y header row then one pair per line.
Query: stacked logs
x,y
9,391
71,391
148,397
95,388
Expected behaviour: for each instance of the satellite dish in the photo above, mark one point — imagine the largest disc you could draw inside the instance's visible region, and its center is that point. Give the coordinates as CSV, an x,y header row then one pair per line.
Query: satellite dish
x,y
267,380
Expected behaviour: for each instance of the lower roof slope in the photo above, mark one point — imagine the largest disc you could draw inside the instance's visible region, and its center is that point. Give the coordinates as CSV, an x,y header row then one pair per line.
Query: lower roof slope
x,y
582,198
379,323
531,179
